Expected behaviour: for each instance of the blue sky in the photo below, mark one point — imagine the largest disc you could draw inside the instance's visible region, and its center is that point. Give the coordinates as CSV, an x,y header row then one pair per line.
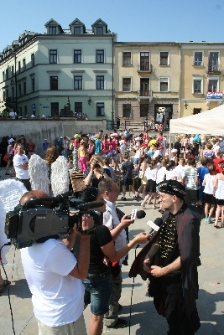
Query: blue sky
x,y
132,20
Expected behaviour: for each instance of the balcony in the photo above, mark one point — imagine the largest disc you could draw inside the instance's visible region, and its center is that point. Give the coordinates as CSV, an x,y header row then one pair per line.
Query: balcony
x,y
145,94
145,67
214,68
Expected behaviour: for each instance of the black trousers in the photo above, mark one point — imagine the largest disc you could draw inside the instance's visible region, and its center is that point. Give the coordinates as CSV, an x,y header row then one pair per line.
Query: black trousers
x,y
26,183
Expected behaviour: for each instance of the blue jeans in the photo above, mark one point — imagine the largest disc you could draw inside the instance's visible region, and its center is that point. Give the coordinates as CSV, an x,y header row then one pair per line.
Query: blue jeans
x,y
98,290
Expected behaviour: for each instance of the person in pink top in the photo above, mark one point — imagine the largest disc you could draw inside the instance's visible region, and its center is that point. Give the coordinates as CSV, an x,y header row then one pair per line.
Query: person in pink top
x,y
113,152
105,145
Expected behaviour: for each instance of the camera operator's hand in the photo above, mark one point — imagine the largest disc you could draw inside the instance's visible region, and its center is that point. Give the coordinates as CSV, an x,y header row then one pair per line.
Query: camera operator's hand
x,y
126,222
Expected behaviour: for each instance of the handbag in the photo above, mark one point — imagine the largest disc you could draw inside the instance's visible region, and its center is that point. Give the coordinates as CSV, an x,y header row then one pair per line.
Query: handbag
x,y
5,157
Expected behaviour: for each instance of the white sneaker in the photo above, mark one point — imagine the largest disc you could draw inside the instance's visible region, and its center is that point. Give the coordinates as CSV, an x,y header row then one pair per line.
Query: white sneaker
x,y
143,205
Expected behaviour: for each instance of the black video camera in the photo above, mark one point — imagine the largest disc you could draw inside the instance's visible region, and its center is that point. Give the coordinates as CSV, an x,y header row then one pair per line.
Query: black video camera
x,y
44,218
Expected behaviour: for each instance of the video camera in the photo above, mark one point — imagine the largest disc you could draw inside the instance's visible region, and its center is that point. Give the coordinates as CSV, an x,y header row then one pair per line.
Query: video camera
x,y
41,219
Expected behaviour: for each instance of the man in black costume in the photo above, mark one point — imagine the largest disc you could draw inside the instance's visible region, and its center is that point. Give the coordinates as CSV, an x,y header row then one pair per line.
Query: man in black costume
x,y
170,261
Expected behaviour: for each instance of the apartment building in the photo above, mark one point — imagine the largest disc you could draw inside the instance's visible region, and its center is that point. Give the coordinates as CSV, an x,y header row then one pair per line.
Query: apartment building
x,y
147,82
202,70
63,72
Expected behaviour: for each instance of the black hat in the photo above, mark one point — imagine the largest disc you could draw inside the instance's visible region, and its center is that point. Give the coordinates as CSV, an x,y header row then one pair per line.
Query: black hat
x,y
172,187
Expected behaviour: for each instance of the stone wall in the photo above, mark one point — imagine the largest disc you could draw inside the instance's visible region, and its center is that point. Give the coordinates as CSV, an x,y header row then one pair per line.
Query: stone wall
x,y
38,130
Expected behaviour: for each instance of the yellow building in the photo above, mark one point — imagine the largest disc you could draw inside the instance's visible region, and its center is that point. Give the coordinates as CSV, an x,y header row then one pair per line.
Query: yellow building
x,y
147,83
201,77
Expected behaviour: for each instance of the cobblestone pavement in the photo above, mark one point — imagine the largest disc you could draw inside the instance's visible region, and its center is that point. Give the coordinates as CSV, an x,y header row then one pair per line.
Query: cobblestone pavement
x,y
144,320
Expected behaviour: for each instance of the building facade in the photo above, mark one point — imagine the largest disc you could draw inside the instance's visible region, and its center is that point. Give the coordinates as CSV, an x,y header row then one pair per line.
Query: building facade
x,y
64,72
202,73
147,83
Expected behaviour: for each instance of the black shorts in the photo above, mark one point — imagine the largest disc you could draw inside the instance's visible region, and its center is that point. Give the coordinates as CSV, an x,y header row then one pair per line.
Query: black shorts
x,y
151,186
209,199
220,202
127,182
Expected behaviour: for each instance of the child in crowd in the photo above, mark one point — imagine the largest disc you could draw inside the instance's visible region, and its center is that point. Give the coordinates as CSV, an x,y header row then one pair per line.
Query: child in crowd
x,y
218,192
150,190
208,197
202,171
190,180
127,169
82,152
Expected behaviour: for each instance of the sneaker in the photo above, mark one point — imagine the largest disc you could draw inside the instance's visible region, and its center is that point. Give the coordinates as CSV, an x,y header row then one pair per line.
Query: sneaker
x,y
123,198
135,197
143,205
121,323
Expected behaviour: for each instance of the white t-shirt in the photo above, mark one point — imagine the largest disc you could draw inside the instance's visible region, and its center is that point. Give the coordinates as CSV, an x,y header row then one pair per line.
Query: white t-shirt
x,y
20,172
151,174
179,170
57,297
12,115
209,181
111,220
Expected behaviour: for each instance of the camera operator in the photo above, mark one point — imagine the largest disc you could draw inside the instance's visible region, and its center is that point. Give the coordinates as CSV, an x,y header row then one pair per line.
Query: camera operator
x,y
54,278
95,173
98,283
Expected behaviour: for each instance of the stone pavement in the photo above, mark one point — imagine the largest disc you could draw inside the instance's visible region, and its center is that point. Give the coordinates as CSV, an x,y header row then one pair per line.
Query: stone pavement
x,y
144,319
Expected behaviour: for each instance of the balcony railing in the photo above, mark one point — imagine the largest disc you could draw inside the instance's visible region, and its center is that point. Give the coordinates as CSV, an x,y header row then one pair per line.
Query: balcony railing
x,y
144,66
145,94
214,68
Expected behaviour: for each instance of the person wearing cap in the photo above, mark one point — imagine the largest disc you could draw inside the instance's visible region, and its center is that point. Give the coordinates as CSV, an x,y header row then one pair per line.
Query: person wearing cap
x,y
172,265
10,153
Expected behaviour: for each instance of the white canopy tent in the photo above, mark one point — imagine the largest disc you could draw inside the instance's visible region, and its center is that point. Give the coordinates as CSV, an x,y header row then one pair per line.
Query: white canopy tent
x,y
210,122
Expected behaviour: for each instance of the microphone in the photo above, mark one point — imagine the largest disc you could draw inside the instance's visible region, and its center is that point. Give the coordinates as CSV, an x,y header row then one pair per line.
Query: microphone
x,y
154,225
139,214
89,205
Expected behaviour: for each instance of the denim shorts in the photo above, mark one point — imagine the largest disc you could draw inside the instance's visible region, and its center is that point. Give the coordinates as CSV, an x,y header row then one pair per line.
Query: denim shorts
x,y
98,289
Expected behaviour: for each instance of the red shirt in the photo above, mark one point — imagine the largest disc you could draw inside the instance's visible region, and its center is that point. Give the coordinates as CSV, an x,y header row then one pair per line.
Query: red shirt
x,y
216,161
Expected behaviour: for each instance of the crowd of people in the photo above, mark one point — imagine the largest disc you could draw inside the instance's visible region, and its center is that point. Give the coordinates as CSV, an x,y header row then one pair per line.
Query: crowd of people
x,y
180,179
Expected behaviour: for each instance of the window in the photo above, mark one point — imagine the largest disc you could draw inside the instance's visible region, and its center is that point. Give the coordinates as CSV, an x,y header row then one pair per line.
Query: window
x,y
127,110
144,61
19,67
78,82
4,98
77,30
198,58
53,56
213,64
144,109
13,93
99,56
54,108
197,86
126,58
3,75
33,84
163,84
99,30
100,82
53,83
12,70
78,108
164,58
7,74
24,88
25,110
7,93
213,85
100,109
196,111
144,86
52,30
77,56
24,64
20,90
126,84
32,60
